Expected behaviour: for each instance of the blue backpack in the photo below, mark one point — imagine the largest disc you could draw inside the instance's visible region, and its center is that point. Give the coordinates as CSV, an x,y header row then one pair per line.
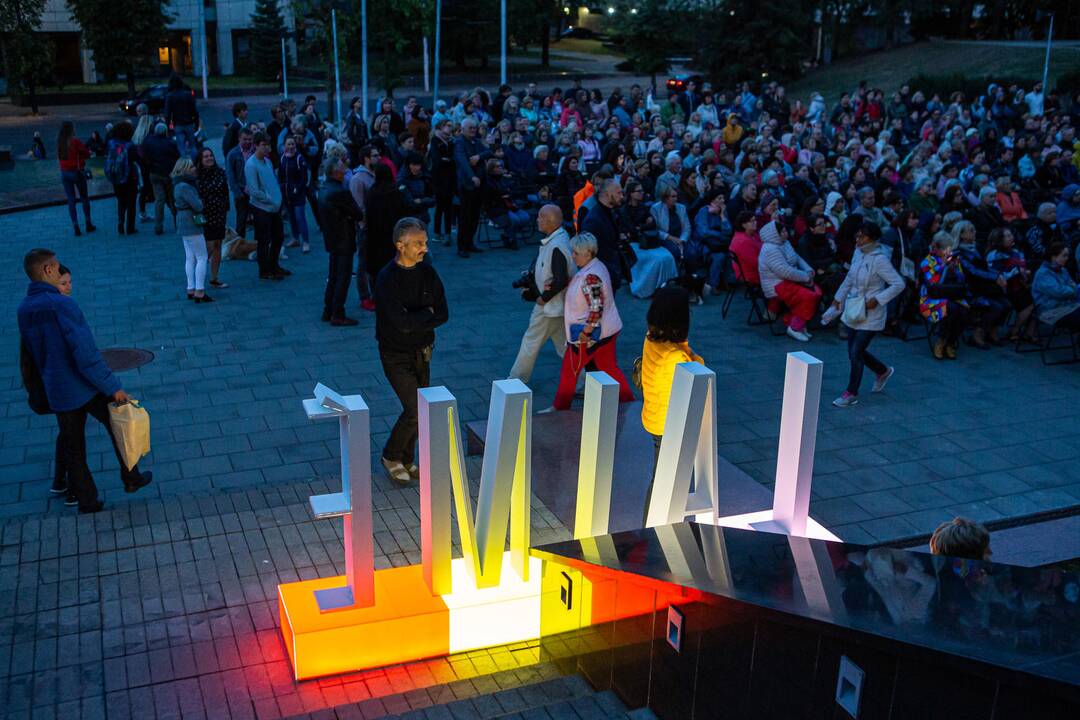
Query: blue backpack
x,y
117,166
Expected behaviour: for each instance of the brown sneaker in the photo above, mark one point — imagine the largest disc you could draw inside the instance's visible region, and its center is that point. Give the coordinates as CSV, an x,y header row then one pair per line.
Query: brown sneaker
x,y
950,351
397,472
939,349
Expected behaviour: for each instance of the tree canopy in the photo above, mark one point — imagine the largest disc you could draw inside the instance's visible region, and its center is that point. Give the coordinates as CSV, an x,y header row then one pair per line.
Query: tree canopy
x,y
123,35
28,60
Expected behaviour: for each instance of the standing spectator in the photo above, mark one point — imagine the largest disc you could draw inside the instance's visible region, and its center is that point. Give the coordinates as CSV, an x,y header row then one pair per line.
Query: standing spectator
x,y
340,216
143,128
787,280
551,273
591,323
385,206
262,188
360,184
666,346
213,189
159,153
870,284
181,113
189,224
409,304
444,178
600,223
73,154
232,130
469,156
356,131
123,173
234,171
76,380
293,175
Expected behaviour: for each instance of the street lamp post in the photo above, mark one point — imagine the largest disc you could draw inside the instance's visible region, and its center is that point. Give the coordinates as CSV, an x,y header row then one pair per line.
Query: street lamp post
x,y
284,70
337,75
1046,65
502,40
438,37
363,58
202,46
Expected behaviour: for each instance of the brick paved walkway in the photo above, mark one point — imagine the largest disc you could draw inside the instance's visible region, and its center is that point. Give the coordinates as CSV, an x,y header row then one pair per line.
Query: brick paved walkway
x,y
163,605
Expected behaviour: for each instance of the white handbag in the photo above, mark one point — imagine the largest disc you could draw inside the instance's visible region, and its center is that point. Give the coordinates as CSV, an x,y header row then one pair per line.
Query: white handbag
x,y
854,310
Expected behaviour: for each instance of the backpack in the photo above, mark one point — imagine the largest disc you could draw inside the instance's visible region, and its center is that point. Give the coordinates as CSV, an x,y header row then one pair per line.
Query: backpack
x,y
117,167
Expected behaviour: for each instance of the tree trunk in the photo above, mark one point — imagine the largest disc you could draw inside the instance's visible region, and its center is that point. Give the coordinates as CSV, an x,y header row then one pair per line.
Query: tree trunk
x,y
131,79
31,87
545,42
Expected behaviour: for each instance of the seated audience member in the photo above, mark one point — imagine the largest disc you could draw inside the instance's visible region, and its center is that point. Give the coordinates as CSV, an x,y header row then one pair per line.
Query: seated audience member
x,y
1041,235
986,216
787,281
819,252
961,538
746,247
713,231
1008,201
1054,291
635,217
987,287
499,205
1004,259
672,224
944,298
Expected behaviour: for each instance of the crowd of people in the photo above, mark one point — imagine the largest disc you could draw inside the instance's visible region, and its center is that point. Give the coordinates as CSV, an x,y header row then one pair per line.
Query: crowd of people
x,y
962,213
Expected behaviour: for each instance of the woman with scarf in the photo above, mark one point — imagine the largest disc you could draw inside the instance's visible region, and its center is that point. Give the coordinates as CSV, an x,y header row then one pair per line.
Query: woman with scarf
x,y
213,188
944,298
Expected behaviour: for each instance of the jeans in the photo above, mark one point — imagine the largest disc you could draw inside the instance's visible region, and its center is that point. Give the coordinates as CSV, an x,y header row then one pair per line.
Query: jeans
x,y
146,190
337,285
298,222
185,139
126,195
444,211
269,234
163,195
656,441
74,180
243,212
513,224
364,284
73,444
195,257
858,341
718,263
407,372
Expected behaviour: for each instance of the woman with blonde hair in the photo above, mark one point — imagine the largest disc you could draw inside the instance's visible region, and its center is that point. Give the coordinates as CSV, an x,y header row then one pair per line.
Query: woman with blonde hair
x,y
189,225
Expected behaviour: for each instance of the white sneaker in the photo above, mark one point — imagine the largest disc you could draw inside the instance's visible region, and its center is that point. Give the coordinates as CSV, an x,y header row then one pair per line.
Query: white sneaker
x,y
882,379
293,243
807,333
546,411
282,255
846,400
306,248
796,335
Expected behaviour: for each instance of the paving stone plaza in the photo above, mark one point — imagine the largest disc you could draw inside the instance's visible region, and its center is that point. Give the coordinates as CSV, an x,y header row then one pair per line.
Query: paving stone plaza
x,y
163,605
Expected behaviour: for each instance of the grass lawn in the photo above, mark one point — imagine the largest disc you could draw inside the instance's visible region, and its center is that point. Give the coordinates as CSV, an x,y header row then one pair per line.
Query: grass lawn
x,y
888,69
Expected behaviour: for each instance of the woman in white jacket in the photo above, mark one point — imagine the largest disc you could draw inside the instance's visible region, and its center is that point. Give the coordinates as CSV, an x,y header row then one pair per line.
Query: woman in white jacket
x,y
869,286
787,280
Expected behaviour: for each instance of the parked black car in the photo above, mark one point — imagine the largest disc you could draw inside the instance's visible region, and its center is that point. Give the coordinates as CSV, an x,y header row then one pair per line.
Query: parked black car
x,y
678,82
153,96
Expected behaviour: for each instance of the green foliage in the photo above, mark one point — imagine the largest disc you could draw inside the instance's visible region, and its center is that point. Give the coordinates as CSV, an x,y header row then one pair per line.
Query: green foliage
x,y
755,41
647,37
124,35
1068,82
266,29
396,27
29,61
316,19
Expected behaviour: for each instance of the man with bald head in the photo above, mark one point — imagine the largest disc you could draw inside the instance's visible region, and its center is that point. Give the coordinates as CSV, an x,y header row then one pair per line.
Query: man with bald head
x,y
550,275
602,224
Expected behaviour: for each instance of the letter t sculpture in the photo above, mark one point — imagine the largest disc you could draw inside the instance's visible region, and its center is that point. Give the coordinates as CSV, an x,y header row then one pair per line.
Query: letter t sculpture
x,y
353,503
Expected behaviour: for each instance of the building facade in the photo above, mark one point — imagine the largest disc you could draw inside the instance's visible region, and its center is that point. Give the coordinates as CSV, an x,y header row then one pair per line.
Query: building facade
x,y
228,39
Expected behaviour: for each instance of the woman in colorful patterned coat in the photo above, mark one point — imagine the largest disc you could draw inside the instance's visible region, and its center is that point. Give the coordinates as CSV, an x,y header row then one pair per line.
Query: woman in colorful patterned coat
x,y
944,298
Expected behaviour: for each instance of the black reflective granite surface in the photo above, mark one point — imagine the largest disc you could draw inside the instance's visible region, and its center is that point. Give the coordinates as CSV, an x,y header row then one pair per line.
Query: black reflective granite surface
x,y
1006,617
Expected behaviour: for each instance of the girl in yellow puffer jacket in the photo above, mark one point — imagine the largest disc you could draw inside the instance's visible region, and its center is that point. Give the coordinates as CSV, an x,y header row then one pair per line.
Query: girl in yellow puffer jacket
x,y
665,347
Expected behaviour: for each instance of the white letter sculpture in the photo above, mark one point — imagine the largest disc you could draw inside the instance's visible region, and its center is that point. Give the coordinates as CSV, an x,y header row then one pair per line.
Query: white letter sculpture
x,y
505,486
596,464
353,503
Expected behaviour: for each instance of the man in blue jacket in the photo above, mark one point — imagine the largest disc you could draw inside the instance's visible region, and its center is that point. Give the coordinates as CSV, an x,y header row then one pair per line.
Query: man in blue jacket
x,y
76,379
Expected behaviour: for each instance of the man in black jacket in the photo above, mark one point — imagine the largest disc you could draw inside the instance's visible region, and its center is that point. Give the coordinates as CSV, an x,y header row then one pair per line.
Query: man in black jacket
x,y
232,131
469,157
444,178
159,155
339,217
181,113
410,303
601,223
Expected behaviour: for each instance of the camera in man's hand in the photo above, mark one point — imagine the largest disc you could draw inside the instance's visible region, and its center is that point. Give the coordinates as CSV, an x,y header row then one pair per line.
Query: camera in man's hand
x,y
526,282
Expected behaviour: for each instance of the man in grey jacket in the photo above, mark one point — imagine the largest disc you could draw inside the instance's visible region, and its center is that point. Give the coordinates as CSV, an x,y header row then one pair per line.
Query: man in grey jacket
x,y
265,194
234,171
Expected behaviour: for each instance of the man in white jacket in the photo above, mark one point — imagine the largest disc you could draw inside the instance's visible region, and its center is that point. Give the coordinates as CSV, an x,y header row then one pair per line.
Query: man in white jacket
x,y
552,271
787,280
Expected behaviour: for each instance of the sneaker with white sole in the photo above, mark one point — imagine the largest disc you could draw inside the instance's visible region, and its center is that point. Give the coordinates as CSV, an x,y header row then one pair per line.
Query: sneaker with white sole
x,y
797,335
846,400
306,248
882,379
397,472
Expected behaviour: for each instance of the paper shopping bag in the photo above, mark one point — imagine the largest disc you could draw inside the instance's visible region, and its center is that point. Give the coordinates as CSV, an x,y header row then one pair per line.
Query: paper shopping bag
x,y
131,427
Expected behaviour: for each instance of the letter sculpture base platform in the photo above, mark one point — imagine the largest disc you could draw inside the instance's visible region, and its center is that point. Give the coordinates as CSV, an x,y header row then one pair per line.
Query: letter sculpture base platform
x,y
406,622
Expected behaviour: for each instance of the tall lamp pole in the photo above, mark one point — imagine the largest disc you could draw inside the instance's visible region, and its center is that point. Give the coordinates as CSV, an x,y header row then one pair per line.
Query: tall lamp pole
x,y
363,58
337,74
284,69
502,40
1046,65
438,38
202,46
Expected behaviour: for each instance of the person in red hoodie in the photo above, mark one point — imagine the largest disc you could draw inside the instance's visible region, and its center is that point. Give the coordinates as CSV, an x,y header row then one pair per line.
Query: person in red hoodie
x,y
73,154
746,245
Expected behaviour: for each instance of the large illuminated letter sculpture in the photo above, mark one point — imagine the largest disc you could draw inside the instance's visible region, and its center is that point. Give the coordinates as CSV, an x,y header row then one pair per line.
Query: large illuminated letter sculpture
x,y
689,444
790,513
353,503
596,464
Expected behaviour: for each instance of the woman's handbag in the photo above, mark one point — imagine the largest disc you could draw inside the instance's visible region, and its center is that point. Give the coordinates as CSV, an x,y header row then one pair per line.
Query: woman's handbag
x,y
854,310
635,373
199,219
